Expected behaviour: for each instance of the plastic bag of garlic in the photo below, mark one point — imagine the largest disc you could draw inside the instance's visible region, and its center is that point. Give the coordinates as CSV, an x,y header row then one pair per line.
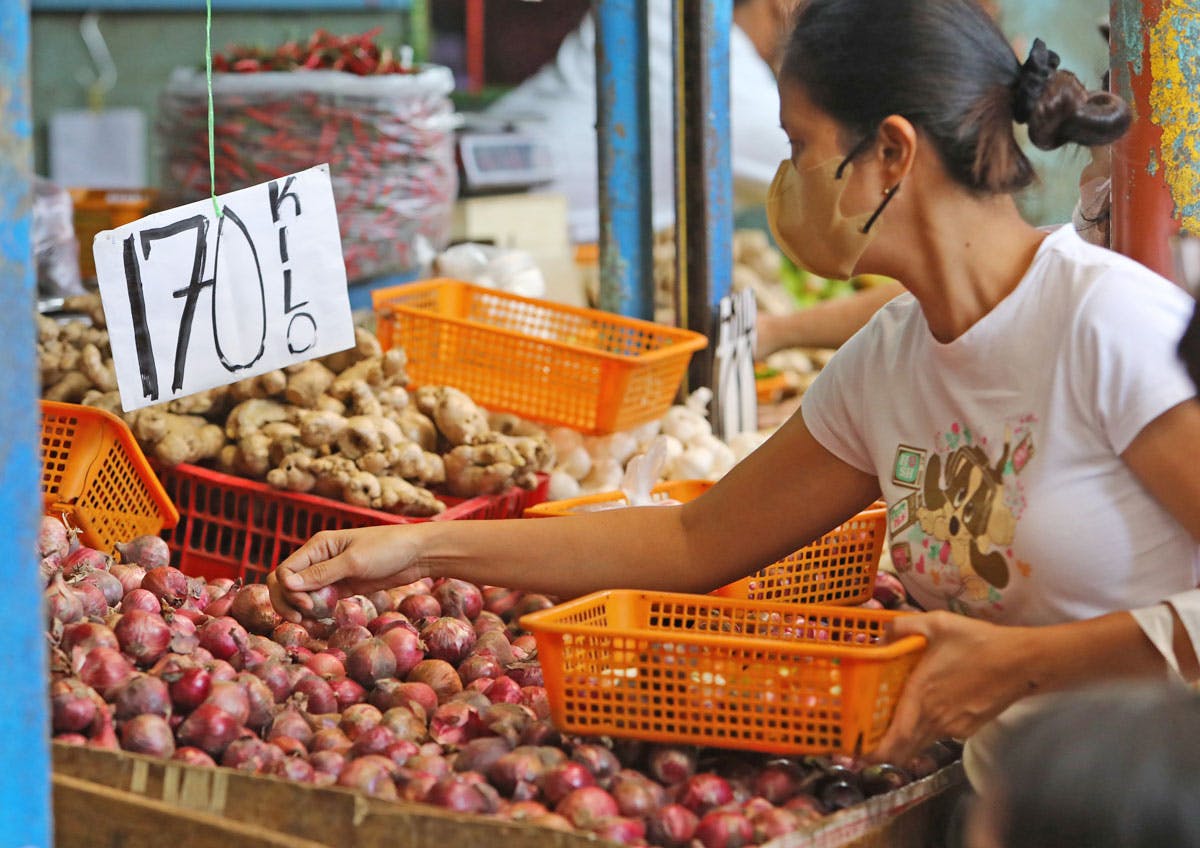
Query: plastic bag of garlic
x,y
689,451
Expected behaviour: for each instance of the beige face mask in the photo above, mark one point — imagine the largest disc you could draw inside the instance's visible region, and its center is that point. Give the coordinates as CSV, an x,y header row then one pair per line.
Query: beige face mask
x,y
803,212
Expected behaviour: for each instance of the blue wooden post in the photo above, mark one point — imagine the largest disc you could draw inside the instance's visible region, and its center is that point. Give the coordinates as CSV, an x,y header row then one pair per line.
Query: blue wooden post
x,y
24,727
623,145
704,173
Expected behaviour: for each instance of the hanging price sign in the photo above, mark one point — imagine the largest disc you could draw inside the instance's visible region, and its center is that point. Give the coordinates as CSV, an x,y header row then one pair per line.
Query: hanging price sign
x,y
194,301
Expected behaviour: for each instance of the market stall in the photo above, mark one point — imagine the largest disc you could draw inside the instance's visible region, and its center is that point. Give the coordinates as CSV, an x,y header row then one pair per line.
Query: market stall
x,y
187,697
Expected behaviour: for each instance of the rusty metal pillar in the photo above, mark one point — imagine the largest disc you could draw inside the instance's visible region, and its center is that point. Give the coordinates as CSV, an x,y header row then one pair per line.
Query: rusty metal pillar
x,y
1156,167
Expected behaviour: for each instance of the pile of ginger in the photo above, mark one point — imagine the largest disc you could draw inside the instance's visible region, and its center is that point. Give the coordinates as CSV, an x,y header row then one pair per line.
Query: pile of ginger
x,y
344,426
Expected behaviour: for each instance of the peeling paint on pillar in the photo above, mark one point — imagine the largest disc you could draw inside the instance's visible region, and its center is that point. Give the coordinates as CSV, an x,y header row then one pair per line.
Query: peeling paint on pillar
x,y
1128,44
1175,104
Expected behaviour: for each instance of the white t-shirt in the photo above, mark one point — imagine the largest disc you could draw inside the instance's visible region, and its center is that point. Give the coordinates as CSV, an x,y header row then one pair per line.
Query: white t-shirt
x,y
558,104
999,453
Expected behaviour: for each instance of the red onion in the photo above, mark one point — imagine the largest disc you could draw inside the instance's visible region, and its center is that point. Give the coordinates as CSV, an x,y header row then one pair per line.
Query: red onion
x,y
91,599
439,675
215,587
143,636
419,607
355,611
231,698
223,637
401,751
105,670
345,638
190,688
86,635
140,599
529,603
142,694
148,734
478,755
674,826
272,650
359,718
83,561
373,740
779,781
406,647
433,764
537,699
563,779
454,723
774,823
275,675
169,585
463,796
541,732
296,673
288,722
371,775
386,621
494,644
147,551
721,829
405,724
250,754
52,537
319,695
289,634
72,705
503,690
329,762
129,576
103,735
325,665
370,661
448,639
587,807
347,692
637,796
392,693
329,739
623,831
252,609
489,622
220,605
524,647
109,586
323,601
472,698
499,601
458,598
381,599
209,728
671,765
221,670
261,698
183,632
294,769
599,760
526,673
703,792
193,757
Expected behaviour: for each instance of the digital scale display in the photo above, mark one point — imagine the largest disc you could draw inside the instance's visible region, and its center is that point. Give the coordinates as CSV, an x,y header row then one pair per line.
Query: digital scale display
x,y
491,162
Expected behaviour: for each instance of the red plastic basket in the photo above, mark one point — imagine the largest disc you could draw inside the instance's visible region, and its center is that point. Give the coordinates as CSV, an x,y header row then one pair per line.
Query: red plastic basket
x,y
242,529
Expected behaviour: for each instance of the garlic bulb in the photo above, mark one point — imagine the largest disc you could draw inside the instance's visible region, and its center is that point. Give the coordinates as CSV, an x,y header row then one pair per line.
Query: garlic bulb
x,y
692,464
563,486
605,477
744,444
565,440
577,462
685,424
646,433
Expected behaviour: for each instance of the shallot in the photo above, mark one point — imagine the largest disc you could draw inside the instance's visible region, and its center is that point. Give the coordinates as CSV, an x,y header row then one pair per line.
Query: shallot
x,y
169,585
252,609
208,728
143,636
148,734
146,551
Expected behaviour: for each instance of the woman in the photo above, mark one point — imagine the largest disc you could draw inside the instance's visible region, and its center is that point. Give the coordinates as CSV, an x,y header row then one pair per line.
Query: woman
x,y
1022,409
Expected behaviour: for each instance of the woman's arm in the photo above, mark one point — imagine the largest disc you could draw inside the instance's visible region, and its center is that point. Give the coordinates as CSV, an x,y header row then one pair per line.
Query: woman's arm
x,y
827,324
787,493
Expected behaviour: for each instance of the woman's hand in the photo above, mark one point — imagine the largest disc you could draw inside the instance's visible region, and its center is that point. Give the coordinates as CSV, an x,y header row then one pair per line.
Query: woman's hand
x,y
970,673
356,561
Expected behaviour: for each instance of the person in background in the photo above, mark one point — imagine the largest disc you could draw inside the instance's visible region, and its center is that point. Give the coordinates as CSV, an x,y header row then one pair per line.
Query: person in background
x,y
1108,768
1021,410
559,104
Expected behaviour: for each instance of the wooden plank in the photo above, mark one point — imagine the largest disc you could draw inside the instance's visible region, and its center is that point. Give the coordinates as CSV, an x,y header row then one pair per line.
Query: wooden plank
x,y
87,814
335,817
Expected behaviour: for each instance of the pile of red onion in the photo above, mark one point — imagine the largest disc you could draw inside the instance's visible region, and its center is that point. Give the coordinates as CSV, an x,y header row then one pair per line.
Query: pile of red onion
x,y
427,693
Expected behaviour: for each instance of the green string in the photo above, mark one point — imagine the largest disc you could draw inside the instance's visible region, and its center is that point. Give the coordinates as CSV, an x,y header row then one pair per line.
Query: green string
x,y
212,157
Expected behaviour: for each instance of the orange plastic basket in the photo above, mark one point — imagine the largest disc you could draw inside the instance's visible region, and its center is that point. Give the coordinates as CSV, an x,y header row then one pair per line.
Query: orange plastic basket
x,y
101,209
838,568
241,529
758,676
581,368
94,473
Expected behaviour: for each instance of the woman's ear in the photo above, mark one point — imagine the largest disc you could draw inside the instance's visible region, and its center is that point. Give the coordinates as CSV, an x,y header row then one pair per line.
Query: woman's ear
x,y
897,148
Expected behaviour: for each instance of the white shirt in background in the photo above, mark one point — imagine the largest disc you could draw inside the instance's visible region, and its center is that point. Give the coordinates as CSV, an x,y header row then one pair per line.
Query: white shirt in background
x,y
558,103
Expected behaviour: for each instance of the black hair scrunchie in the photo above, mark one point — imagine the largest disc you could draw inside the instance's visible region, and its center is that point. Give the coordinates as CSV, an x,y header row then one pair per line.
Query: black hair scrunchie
x,y
1032,79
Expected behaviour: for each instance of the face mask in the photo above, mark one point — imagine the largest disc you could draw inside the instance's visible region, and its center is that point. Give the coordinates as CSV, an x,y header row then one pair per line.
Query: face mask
x,y
803,212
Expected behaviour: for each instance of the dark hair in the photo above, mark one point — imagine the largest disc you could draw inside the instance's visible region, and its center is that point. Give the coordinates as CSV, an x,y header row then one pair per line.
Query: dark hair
x,y
1189,347
946,67
1109,768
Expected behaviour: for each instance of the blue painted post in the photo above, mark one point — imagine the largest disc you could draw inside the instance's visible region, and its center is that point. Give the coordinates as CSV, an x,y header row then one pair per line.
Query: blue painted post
x,y
704,172
623,145
24,726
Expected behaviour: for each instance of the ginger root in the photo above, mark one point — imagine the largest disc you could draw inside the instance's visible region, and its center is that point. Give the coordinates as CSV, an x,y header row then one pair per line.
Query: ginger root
x,y
307,384
266,385
177,439
98,370
321,430
366,345
251,415
293,474
484,469
368,434
399,496
70,389
457,417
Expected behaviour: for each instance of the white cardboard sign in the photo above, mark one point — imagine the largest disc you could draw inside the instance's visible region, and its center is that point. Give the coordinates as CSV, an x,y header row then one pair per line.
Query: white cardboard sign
x,y
194,301
735,396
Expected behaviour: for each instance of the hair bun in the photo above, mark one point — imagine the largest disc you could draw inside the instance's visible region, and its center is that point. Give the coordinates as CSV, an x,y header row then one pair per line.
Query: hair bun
x,y
1032,80
1068,113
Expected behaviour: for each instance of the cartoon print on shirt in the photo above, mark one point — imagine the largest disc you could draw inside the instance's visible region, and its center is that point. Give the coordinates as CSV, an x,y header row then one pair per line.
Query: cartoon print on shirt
x,y
957,529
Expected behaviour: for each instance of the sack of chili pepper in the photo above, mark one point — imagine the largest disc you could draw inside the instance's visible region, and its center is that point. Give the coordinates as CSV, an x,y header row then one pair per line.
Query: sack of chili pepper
x,y
388,139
